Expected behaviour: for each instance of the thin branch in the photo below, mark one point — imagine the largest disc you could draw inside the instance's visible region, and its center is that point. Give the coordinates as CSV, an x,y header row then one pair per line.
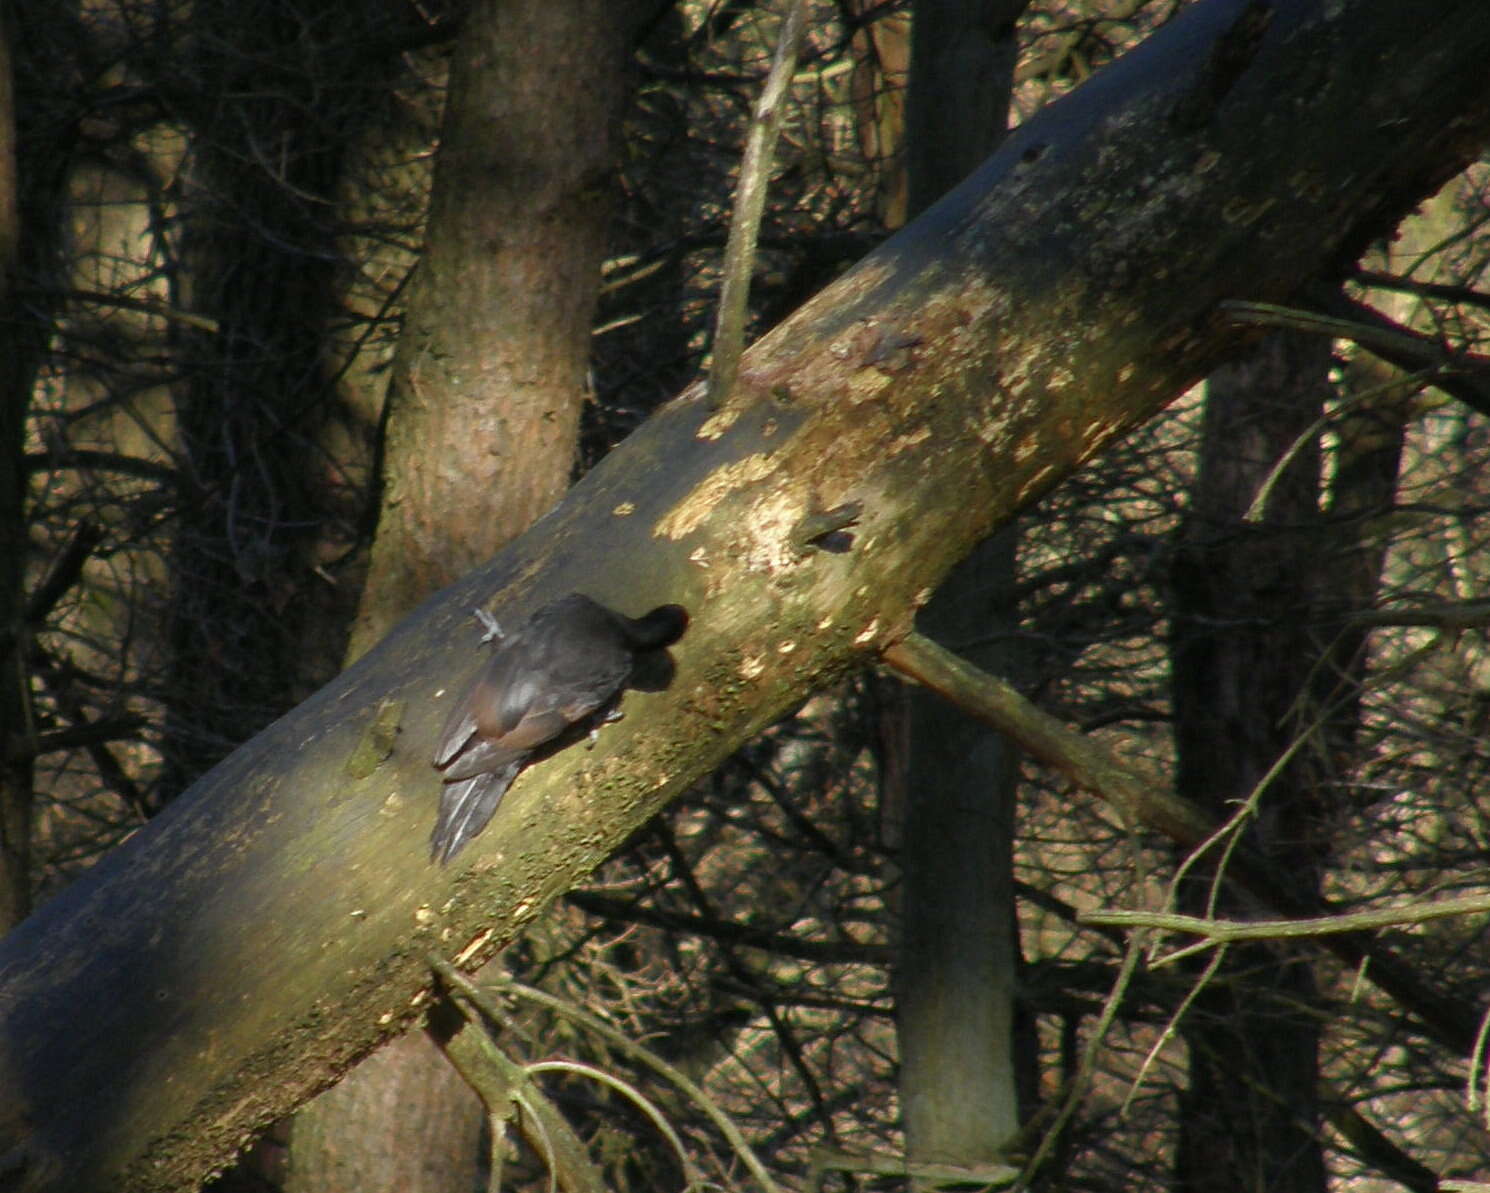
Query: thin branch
x,y
500,1082
1376,1148
100,461
1356,921
1461,375
65,571
1269,314
1141,799
624,1044
1145,800
1082,1080
750,202
820,952
146,306
85,734
1461,615
1466,295
636,1098
987,1176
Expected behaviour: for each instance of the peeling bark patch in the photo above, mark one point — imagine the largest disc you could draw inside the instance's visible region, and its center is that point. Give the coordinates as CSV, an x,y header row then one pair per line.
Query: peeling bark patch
x,y
904,443
691,512
717,424
1033,484
764,541
893,350
990,431
474,947
866,385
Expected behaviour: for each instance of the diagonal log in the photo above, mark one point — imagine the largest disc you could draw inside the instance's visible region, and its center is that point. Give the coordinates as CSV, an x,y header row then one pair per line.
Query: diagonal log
x,y
242,949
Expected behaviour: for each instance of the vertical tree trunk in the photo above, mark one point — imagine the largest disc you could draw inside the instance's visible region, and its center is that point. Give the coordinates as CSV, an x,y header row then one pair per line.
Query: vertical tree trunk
x,y
35,50
491,367
259,253
1370,434
955,986
484,407
1244,655
15,775
882,67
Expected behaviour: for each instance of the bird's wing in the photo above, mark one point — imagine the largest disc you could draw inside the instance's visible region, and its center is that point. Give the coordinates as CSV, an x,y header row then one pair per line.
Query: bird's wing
x,y
553,673
460,727
551,686
480,757
465,809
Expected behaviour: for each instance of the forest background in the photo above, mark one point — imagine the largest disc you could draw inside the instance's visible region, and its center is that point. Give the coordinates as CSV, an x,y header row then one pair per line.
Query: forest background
x,y
241,435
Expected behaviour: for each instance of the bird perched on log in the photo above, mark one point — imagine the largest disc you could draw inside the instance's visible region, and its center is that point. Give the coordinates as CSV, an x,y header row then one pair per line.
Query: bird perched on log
x,y
545,685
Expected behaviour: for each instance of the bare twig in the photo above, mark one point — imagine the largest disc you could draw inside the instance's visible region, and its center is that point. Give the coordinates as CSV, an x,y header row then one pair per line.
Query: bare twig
x,y
503,1083
65,571
629,1047
632,1095
1229,930
1461,375
825,1160
1269,314
1140,798
1081,1082
750,202
1145,800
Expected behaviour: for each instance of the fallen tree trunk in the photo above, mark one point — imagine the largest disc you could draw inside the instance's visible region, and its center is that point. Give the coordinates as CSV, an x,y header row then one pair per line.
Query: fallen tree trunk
x,y
274,924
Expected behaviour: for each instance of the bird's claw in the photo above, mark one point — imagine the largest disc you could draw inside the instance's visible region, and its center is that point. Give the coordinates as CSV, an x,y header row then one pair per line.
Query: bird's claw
x,y
610,717
492,626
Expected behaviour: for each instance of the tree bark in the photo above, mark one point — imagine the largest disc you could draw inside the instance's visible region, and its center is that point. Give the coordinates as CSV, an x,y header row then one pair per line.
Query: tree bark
x,y
35,58
488,384
16,785
273,925
1245,654
244,641
956,970
491,367
1267,649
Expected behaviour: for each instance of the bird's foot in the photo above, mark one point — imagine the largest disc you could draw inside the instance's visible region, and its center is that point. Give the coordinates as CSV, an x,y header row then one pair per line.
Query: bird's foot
x,y
610,717
492,626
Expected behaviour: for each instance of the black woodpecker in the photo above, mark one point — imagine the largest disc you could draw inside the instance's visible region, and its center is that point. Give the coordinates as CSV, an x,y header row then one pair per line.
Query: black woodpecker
x,y
547,684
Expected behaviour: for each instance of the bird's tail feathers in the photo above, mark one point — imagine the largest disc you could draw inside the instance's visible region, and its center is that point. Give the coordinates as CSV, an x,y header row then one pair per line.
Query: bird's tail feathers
x,y
465,808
